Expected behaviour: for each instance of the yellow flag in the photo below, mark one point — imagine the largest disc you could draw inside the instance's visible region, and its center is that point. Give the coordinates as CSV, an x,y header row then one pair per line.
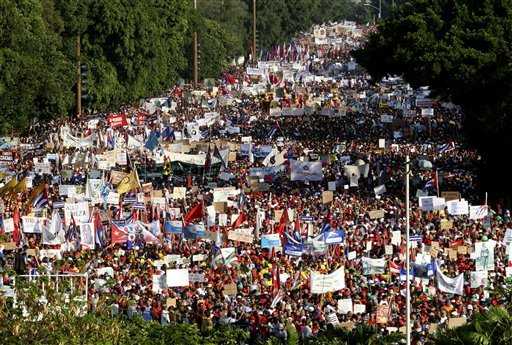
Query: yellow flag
x,y
129,182
9,186
21,186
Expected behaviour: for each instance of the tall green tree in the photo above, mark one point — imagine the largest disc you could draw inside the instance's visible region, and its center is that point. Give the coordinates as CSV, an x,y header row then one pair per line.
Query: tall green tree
x,y
462,49
231,16
36,78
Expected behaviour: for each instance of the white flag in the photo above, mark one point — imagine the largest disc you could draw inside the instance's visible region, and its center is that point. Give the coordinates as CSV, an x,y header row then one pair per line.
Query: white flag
x,y
450,285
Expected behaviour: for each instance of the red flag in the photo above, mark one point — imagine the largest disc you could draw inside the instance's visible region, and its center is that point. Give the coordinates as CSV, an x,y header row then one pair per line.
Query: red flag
x,y
118,235
276,283
16,234
195,213
242,217
297,225
283,222
135,215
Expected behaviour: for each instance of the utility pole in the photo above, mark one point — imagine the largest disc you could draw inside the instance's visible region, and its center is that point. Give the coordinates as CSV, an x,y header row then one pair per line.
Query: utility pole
x,y
407,258
79,80
195,51
254,31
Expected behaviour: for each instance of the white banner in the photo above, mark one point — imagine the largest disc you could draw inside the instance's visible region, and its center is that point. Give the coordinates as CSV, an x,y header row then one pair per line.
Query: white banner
x,y
199,159
8,225
450,285
322,283
33,225
431,203
79,211
306,171
373,266
177,277
478,212
222,194
69,140
241,235
457,207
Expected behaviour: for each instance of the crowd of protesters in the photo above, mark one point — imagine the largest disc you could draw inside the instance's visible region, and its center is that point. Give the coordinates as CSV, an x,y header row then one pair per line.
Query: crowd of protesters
x,y
248,142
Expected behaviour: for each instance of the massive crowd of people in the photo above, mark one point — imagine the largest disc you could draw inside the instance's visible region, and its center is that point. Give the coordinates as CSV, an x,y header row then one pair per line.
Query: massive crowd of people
x,y
240,202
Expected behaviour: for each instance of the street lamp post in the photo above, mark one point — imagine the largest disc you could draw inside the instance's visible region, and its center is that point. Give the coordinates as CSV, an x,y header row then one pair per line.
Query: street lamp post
x,y
254,31
375,7
407,258
194,57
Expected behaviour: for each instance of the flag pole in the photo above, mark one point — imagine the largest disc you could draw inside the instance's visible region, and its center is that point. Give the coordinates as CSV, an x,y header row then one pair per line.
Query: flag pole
x,y
407,258
437,183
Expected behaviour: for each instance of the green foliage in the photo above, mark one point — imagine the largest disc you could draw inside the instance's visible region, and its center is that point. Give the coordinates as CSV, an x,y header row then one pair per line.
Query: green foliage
x,y
463,51
491,328
61,320
35,76
362,334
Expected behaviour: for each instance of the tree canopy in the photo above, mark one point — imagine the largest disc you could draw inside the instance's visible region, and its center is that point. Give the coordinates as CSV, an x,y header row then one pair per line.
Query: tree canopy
x,y
461,49
131,49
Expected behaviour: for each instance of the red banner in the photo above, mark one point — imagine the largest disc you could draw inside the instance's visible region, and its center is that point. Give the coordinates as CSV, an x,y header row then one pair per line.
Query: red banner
x,y
6,156
140,119
117,120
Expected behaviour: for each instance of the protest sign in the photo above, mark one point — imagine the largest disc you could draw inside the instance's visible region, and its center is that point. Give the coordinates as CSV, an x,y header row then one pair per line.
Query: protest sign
x,y
8,225
177,277
373,266
345,306
446,224
230,289
241,236
359,308
327,197
179,193
448,196
457,207
376,214
33,225
478,212
383,311
196,278
455,322
117,120
386,118
270,241
8,245
322,283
